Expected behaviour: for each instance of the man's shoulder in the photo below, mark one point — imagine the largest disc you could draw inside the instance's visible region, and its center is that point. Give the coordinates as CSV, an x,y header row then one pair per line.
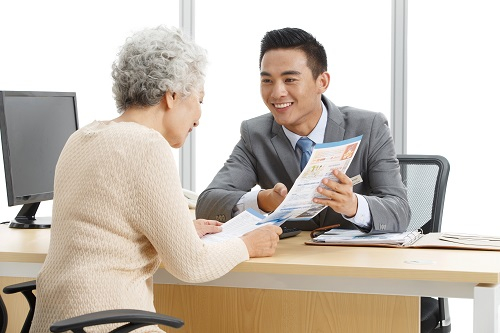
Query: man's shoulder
x,y
260,124
353,111
265,118
352,114
349,113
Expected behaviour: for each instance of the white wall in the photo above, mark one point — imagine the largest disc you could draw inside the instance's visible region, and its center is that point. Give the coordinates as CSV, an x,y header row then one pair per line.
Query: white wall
x,y
56,45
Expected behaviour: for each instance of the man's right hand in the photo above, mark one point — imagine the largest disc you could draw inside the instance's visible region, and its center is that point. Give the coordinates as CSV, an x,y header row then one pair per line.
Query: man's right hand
x,y
269,200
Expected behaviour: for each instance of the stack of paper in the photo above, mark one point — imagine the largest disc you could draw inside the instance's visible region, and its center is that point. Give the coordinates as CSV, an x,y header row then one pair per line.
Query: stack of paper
x,y
356,237
472,240
433,240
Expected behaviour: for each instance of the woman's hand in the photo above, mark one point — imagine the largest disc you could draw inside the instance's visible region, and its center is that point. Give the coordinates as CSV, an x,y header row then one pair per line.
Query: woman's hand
x,y
204,227
262,242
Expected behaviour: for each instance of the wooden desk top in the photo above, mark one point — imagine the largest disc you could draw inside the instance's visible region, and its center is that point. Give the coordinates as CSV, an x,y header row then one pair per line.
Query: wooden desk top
x,y
23,245
294,257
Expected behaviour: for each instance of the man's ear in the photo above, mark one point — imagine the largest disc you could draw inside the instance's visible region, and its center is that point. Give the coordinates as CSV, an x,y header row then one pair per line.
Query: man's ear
x,y
323,81
170,98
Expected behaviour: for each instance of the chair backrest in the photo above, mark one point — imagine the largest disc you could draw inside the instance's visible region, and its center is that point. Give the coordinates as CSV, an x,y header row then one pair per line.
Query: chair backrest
x,y
426,178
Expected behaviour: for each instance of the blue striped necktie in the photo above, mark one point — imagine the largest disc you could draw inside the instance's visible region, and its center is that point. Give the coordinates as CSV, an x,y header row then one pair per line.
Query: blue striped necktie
x,y
305,144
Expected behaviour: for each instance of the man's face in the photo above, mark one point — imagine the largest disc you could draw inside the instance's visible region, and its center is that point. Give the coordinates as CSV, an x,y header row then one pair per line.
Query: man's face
x,y
289,90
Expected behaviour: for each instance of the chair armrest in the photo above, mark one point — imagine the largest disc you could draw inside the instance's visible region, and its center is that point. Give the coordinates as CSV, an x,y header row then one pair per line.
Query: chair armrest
x,y
3,316
26,288
20,287
135,318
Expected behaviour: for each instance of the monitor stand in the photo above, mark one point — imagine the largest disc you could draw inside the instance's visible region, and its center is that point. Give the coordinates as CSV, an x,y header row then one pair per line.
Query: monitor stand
x,y
26,219
38,223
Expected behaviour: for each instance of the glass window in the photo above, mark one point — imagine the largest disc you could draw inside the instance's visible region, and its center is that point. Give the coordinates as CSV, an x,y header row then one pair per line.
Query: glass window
x,y
453,85
355,34
60,46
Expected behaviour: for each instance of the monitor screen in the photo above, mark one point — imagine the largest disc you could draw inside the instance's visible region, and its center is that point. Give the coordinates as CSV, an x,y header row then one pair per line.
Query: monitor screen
x,y
34,128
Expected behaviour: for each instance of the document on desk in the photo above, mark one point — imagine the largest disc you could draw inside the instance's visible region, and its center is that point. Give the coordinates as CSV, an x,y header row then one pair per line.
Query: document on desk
x,y
414,239
356,237
324,159
460,241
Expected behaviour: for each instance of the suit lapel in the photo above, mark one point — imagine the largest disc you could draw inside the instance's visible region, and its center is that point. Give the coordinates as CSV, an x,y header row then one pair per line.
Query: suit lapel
x,y
335,130
285,152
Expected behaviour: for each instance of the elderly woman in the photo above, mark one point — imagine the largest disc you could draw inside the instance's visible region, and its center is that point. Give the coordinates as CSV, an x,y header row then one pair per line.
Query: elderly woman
x,y
118,209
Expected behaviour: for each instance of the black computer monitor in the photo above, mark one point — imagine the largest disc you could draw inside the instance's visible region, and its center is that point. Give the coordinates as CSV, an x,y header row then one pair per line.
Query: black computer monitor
x,y
34,128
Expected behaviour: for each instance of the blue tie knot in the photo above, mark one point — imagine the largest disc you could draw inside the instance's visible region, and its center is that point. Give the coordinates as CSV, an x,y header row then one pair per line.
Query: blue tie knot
x,y
305,144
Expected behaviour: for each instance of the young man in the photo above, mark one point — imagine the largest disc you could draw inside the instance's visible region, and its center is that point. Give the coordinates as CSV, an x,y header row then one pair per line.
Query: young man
x,y
294,77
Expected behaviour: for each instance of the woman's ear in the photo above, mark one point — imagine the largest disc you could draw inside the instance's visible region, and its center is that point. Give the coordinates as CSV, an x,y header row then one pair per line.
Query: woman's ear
x,y
170,98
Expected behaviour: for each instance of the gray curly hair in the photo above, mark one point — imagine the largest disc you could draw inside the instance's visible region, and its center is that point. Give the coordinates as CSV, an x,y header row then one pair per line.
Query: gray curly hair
x,y
154,61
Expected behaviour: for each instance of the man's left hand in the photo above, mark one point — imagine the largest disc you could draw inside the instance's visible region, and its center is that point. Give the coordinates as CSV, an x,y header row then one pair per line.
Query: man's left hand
x,y
339,195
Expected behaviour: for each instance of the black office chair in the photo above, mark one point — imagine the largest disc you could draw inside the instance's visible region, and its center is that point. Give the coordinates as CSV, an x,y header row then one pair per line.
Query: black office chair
x,y
132,319
3,316
426,177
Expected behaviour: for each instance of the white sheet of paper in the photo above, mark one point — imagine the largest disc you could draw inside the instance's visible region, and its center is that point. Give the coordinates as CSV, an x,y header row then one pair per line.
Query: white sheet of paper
x,y
237,226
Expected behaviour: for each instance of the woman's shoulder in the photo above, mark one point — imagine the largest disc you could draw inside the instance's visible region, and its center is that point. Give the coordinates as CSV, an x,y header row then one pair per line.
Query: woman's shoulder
x,y
128,132
118,139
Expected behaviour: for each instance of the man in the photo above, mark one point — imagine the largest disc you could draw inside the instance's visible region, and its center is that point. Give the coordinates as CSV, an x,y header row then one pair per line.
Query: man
x,y
294,77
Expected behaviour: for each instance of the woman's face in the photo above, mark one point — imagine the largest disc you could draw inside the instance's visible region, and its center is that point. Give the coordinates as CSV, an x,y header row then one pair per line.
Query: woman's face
x,y
182,118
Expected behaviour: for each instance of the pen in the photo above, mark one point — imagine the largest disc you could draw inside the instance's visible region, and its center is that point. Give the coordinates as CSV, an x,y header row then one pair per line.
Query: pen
x,y
320,231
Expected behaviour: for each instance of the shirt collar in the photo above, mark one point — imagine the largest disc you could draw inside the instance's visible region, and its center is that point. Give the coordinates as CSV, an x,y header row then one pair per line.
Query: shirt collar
x,y
317,134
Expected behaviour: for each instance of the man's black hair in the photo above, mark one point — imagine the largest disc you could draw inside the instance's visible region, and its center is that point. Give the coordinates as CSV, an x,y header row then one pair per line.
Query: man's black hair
x,y
295,38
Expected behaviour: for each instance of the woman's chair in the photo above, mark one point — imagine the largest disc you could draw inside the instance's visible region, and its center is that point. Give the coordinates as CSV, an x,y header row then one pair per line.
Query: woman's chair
x,y
132,319
426,178
3,316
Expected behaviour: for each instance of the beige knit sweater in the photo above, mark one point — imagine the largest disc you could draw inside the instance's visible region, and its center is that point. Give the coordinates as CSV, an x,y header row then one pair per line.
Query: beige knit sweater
x,y
118,212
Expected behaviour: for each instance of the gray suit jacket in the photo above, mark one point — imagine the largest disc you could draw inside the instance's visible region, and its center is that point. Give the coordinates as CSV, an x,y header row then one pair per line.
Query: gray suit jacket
x,y
264,156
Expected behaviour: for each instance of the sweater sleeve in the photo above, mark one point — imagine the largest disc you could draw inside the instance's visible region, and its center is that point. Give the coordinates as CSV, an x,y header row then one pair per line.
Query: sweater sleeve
x,y
163,216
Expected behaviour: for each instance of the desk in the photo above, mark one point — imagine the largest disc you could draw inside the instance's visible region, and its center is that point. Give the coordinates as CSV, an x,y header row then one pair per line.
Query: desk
x,y
386,282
